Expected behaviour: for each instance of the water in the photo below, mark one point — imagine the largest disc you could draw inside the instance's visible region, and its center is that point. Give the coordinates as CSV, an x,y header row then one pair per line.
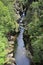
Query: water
x,y
20,56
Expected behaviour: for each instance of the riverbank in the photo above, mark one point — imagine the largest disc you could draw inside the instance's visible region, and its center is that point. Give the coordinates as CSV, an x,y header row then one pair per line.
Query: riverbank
x,y
12,44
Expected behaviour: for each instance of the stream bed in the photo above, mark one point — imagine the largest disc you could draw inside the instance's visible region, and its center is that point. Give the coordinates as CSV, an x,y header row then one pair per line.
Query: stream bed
x,y
20,55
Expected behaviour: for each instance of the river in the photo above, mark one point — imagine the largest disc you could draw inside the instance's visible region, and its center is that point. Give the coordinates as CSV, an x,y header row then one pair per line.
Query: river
x,y
20,56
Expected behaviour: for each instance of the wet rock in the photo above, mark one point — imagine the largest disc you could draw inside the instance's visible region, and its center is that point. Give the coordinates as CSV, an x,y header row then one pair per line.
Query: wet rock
x,y
29,54
10,60
10,55
11,42
10,64
10,52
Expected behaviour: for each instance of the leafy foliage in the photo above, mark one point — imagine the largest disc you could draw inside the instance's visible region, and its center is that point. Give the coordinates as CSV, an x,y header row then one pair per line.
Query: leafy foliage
x,y
7,23
34,19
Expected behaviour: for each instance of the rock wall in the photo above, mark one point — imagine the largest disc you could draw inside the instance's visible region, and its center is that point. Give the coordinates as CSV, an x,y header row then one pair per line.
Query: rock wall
x,y
10,60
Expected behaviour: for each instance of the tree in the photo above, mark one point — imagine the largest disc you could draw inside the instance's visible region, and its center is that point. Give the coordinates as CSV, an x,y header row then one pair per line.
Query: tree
x,y
7,23
34,19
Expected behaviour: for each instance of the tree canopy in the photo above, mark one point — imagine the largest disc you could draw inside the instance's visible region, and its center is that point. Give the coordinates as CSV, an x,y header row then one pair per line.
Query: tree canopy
x,y
34,19
8,23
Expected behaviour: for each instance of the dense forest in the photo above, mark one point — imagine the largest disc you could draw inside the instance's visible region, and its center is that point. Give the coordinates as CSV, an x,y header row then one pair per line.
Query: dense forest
x,y
33,20
8,23
34,28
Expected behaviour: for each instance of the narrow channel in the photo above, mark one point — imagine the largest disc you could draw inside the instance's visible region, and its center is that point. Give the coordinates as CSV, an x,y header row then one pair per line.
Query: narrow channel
x,y
20,56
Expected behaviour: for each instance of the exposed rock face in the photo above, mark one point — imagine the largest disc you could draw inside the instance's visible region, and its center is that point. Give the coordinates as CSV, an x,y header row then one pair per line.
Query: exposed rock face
x,y
27,43
18,5
10,60
28,48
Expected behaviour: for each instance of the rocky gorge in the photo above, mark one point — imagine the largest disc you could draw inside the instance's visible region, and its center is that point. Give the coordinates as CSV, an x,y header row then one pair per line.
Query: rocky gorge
x,y
29,36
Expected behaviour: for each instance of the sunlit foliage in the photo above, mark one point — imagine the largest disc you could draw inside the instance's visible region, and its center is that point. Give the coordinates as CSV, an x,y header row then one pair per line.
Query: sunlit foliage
x,y
8,23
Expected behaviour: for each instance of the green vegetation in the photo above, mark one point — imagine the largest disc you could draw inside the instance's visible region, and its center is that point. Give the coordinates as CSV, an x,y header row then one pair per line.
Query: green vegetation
x,y
34,28
36,31
8,19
